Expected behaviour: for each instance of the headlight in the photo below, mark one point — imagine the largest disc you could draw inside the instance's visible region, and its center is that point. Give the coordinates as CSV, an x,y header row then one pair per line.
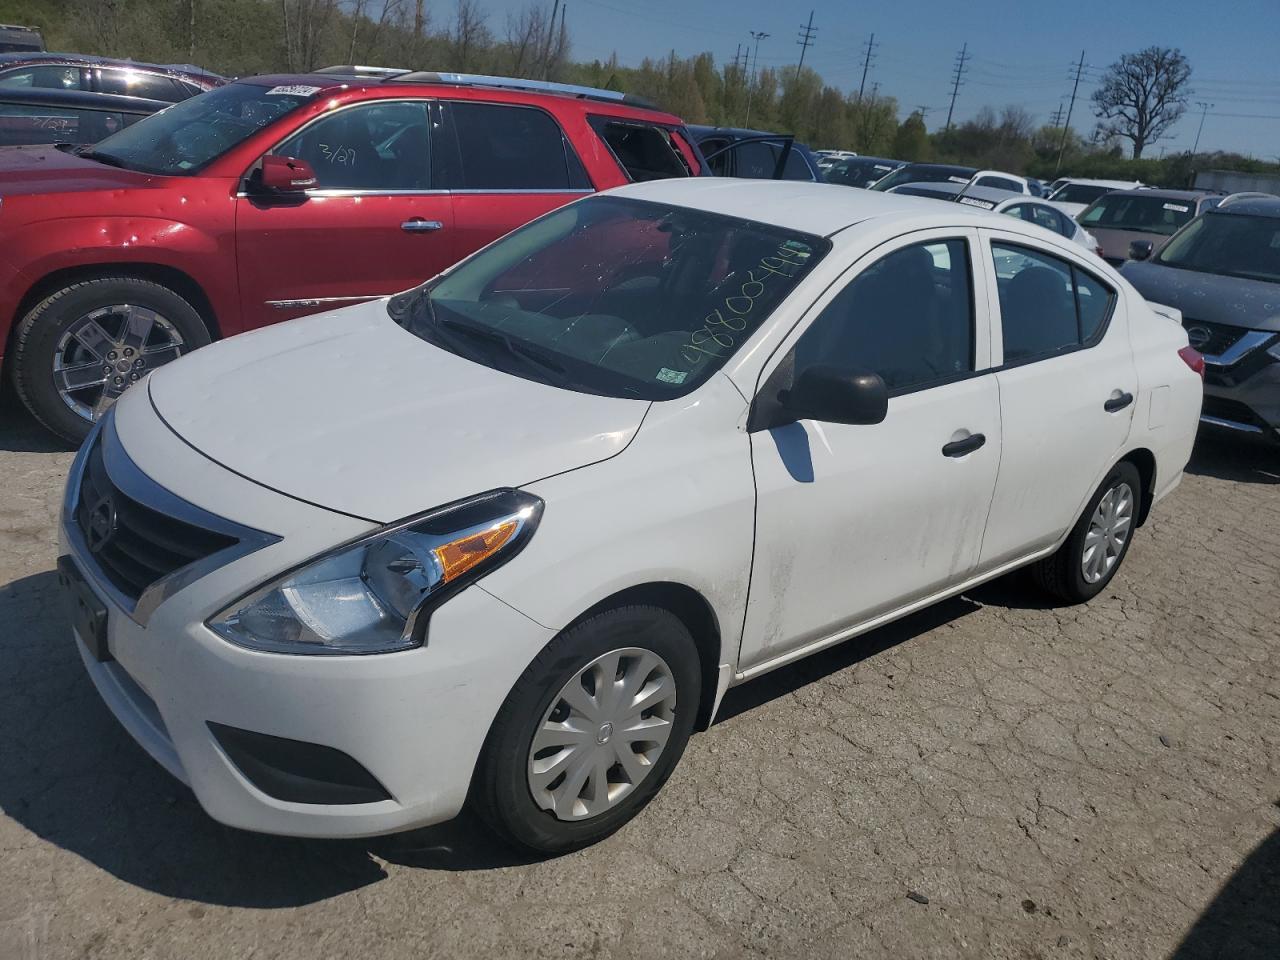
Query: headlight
x,y
375,595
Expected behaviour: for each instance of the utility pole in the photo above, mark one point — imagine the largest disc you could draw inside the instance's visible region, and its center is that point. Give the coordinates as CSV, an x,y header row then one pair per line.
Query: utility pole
x,y
1056,117
956,80
923,111
1204,109
755,58
1066,126
866,64
807,34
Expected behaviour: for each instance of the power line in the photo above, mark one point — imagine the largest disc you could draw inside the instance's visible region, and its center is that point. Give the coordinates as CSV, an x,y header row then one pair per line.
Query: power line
x,y
867,57
807,35
957,79
1066,127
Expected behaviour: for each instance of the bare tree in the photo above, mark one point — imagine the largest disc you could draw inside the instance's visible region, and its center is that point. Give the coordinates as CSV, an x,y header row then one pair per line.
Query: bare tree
x,y
419,18
1143,95
306,23
470,35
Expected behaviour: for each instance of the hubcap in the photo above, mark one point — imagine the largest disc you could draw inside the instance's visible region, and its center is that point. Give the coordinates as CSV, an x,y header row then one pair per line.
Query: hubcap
x,y
106,351
603,734
1109,529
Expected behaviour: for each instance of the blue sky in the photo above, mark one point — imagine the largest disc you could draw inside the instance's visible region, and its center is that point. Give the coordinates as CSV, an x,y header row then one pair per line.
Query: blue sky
x,y
1023,52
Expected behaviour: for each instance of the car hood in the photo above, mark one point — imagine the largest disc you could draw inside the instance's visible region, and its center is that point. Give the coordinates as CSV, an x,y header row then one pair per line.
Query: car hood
x,y
1254,304
348,411
1115,243
37,170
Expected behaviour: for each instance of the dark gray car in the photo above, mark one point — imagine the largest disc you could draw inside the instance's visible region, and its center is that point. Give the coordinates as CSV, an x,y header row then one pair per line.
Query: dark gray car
x,y
1222,270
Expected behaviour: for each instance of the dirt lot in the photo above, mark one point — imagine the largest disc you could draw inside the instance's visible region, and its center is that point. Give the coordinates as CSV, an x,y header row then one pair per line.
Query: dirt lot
x,y
1093,782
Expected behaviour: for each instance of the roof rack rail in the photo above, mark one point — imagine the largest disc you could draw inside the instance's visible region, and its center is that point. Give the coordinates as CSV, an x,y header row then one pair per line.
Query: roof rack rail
x,y
360,70
513,83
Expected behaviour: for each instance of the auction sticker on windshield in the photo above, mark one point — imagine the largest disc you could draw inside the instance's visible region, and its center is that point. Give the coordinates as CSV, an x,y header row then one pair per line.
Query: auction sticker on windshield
x,y
293,90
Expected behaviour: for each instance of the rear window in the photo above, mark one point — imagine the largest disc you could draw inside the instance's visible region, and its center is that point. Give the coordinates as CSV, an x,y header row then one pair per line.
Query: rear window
x,y
645,151
1139,212
513,148
925,173
1081,193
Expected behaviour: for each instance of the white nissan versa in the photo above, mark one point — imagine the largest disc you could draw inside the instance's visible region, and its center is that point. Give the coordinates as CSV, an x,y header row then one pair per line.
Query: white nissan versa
x,y
511,535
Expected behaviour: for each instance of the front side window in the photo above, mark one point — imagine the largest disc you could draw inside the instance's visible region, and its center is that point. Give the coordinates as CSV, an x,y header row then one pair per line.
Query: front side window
x,y
42,77
186,137
645,151
614,296
379,145
1047,305
23,124
1139,212
139,83
513,148
1230,244
907,317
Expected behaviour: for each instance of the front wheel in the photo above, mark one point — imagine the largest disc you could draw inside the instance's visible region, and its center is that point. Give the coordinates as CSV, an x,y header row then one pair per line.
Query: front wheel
x,y
81,347
591,730
1097,544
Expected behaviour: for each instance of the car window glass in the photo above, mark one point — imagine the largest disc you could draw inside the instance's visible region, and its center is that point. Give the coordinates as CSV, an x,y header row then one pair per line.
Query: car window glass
x,y
755,160
795,167
43,77
645,151
136,83
1000,183
513,148
1047,305
374,146
24,124
719,165
1021,211
1046,217
907,317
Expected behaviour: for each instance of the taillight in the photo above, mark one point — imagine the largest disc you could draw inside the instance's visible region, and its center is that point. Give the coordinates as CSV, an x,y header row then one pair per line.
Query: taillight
x,y
1193,359
1097,248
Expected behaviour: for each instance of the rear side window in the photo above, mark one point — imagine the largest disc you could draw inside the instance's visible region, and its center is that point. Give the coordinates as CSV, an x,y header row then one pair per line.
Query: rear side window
x,y
645,151
1047,305
506,147
42,77
907,317
136,83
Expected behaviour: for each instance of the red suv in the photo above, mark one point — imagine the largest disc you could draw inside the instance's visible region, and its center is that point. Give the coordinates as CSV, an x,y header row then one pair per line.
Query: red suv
x,y
278,196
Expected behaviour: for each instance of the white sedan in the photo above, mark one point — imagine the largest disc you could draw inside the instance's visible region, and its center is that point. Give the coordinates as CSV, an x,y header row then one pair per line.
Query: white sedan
x,y
511,535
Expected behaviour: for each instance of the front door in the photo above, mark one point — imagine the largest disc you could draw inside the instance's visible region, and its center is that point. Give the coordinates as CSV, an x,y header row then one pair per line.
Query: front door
x,y
854,522
1068,391
373,226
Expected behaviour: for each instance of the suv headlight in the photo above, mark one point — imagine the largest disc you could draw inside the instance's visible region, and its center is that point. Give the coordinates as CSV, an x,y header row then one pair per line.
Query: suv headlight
x,y
375,595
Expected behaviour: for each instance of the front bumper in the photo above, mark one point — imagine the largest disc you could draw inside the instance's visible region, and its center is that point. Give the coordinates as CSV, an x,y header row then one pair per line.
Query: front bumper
x,y
414,720
1243,397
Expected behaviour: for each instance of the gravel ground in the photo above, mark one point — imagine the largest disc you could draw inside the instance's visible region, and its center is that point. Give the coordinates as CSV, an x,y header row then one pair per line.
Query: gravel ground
x,y
992,778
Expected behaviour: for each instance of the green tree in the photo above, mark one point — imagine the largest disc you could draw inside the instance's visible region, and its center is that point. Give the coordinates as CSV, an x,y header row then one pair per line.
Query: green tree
x,y
911,142
1143,94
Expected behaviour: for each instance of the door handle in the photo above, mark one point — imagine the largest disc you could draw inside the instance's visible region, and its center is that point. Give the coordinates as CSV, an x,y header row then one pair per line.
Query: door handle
x,y
1118,403
958,448
418,225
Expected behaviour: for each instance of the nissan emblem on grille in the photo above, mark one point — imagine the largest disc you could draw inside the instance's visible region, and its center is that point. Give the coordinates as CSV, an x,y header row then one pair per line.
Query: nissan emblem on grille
x,y
1198,336
102,523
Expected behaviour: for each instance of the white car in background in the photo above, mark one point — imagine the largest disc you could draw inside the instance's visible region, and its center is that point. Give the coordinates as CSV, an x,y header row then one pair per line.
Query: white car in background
x,y
999,180
1019,205
1075,193
511,535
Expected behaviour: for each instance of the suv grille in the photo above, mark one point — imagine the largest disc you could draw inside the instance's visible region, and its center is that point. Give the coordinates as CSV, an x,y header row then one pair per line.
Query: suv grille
x,y
1221,337
133,545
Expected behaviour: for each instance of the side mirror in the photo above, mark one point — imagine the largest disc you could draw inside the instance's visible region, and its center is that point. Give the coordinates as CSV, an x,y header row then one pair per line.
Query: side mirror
x,y
1140,249
284,176
836,395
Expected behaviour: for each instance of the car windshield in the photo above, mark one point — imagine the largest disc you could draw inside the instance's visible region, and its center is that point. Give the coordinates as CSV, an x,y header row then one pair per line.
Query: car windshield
x,y
1081,192
924,190
1233,245
186,137
857,172
925,173
1140,212
613,296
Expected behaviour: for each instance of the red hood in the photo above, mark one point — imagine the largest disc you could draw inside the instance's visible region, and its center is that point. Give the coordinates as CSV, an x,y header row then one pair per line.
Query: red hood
x,y
25,171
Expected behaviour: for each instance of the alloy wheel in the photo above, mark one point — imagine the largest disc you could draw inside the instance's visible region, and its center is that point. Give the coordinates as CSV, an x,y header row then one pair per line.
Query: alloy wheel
x,y
1109,530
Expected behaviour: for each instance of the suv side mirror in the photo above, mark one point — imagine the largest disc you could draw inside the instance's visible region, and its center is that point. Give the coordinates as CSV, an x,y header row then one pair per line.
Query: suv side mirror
x,y
1140,249
835,395
284,176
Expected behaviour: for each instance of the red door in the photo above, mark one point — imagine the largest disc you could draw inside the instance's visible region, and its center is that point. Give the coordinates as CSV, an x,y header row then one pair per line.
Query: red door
x,y
373,226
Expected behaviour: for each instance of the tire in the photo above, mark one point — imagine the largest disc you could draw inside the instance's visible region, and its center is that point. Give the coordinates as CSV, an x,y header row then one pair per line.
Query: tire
x,y
503,791
44,340
1064,574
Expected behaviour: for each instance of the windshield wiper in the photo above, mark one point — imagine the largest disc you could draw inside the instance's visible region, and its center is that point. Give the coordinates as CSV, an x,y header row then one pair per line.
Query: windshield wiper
x,y
104,158
519,349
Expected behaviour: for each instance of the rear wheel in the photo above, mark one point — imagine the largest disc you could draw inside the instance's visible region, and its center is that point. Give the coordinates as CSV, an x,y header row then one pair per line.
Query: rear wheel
x,y
591,731
1097,544
80,348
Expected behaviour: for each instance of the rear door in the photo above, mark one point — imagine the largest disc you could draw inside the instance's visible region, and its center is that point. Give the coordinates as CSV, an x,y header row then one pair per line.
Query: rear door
x,y
375,224
505,164
1068,390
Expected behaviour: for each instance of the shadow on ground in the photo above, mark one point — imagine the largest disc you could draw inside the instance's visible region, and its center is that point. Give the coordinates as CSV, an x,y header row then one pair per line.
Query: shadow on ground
x,y
1236,459
19,431
1243,921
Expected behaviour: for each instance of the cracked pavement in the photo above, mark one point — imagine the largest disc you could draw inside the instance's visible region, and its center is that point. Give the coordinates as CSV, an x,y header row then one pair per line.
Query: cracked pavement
x,y
990,778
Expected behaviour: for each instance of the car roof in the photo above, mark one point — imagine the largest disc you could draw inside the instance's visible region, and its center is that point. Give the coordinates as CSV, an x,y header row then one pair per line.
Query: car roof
x,y
1252,206
89,60
1118,184
88,99
1191,196
813,208
994,194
